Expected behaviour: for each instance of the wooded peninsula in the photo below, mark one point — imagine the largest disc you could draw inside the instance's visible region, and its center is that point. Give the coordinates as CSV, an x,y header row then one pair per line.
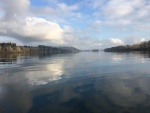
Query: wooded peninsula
x,y
13,48
143,46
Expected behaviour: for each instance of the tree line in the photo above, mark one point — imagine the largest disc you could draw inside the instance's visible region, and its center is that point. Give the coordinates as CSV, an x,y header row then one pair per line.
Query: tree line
x,y
8,44
143,46
12,47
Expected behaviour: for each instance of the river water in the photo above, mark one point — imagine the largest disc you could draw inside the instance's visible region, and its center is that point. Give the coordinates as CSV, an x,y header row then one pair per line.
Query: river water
x,y
85,82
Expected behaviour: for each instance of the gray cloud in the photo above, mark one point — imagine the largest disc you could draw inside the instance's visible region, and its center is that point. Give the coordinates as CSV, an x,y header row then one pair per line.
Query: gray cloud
x,y
14,8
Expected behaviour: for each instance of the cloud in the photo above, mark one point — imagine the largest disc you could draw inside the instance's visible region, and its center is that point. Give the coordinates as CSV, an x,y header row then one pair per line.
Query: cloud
x,y
59,10
32,29
13,8
64,7
116,41
42,29
133,10
16,24
119,9
142,40
134,40
89,43
83,24
95,4
122,13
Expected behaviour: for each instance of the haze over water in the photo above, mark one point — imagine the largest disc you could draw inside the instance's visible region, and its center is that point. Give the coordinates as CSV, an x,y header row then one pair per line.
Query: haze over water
x,y
85,82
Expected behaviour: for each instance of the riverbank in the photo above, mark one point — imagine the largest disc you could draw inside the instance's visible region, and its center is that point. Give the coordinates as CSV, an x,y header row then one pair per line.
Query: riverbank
x,y
143,46
8,48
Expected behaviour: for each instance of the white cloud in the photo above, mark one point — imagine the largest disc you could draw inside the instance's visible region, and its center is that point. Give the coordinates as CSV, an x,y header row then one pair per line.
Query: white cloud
x,y
116,41
42,29
142,40
16,24
32,29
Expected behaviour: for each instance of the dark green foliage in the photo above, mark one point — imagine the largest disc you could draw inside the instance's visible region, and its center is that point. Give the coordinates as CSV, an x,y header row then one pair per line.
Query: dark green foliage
x,y
8,44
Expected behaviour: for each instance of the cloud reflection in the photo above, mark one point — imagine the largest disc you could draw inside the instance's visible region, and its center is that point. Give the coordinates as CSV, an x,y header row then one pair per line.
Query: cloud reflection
x,y
92,84
49,72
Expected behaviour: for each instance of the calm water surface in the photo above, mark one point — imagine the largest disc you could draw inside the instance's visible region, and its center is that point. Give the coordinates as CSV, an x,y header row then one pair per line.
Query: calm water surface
x,y
85,82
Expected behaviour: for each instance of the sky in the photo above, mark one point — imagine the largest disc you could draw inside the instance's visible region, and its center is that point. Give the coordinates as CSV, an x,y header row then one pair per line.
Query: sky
x,y
84,24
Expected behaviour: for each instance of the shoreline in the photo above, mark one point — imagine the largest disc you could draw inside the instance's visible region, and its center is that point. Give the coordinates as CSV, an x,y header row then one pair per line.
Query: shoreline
x,y
9,48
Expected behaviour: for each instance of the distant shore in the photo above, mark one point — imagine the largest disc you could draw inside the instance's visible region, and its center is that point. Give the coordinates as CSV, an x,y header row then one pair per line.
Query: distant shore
x,y
9,48
143,46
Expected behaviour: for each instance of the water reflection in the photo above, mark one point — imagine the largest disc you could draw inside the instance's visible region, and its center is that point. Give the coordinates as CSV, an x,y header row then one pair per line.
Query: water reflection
x,y
110,94
16,99
95,95
46,74
8,58
76,83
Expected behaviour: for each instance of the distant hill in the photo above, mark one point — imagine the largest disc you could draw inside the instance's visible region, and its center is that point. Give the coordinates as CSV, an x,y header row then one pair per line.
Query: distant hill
x,y
50,49
95,50
143,46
